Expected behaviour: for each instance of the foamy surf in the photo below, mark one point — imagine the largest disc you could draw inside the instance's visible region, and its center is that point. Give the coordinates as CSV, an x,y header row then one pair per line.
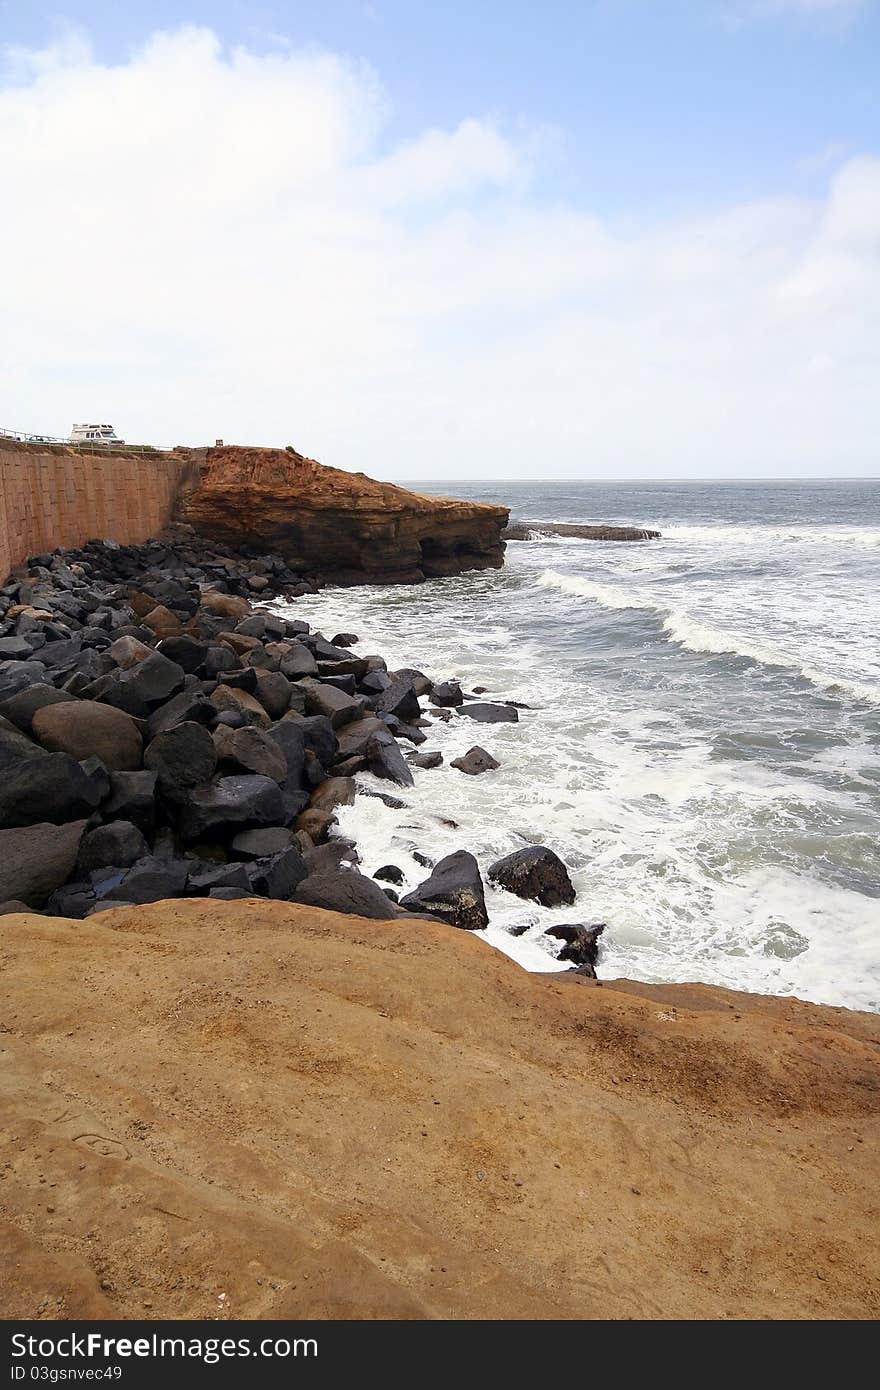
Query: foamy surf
x,y
720,815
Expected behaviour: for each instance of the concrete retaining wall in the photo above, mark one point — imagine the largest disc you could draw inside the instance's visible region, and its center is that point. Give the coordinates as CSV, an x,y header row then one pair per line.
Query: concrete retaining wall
x,y
51,495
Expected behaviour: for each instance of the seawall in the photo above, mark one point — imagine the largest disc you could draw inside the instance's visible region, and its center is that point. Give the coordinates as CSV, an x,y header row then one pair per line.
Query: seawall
x,y
52,495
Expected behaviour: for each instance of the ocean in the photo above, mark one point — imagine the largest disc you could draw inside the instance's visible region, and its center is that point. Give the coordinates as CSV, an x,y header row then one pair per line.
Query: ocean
x,y
702,746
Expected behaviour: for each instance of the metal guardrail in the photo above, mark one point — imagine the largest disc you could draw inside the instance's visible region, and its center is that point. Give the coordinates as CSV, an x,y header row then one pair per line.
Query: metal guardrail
x,y
87,445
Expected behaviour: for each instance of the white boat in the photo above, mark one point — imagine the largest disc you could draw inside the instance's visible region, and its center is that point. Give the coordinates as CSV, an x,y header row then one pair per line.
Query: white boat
x,y
94,434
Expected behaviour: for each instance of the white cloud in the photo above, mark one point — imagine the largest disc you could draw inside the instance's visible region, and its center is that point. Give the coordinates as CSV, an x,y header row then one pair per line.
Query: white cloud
x,y
198,243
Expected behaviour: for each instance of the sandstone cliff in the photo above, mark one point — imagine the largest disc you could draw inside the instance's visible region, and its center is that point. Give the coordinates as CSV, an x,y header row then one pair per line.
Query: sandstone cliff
x,y
255,1109
342,527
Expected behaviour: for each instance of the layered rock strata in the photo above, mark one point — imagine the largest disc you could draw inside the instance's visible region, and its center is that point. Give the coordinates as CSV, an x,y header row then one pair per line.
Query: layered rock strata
x,y
342,527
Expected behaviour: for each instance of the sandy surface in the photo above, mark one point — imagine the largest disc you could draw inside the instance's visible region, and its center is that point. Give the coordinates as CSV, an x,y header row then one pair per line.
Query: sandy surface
x,y
260,1110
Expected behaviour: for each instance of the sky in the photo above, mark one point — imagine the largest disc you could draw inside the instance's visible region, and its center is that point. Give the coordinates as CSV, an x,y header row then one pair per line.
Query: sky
x,y
605,239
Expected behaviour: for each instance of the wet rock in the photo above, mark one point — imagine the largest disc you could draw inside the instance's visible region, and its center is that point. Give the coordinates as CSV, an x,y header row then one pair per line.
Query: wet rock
x,y
475,761
277,875
84,728
132,797
353,739
37,859
320,737
581,943
425,760
385,759
389,873
535,873
345,639
447,693
489,714
290,738
399,698
333,792
345,890
183,756
119,842
72,900
454,893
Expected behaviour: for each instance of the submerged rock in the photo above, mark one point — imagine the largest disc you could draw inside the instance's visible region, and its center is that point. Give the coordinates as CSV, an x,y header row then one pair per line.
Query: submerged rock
x,y
475,761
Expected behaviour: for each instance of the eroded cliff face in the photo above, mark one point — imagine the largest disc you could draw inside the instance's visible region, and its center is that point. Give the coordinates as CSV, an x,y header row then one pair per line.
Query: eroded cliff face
x,y
338,526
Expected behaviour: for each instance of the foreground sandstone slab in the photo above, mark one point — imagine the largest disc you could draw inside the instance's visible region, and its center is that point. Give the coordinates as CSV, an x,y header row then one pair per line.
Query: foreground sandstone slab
x,y
317,1115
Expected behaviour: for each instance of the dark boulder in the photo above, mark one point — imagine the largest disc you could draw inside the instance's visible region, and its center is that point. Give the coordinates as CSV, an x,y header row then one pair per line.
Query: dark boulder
x,y
16,747
261,844
189,707
399,698
475,761
332,703
37,859
447,693
425,760
188,652
20,709
298,662
132,797
183,756
489,714
147,881
535,873
277,875
389,873
345,639
150,683
385,759
205,878
345,890
290,738
72,900
119,843
353,739
273,693
454,892
53,788
250,750
227,803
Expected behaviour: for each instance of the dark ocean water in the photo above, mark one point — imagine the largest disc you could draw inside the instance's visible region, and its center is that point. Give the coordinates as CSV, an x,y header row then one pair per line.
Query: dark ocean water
x,y
704,748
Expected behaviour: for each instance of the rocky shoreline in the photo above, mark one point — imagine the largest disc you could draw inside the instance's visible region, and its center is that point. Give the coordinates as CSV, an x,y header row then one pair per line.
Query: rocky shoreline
x,y
162,736
532,530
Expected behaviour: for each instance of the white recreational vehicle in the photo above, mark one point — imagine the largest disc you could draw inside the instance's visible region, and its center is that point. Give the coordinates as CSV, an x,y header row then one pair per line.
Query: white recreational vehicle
x,y
94,434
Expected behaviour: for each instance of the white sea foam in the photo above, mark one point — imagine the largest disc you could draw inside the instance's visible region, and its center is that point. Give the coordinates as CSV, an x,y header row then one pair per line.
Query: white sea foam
x,y
700,636
720,817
